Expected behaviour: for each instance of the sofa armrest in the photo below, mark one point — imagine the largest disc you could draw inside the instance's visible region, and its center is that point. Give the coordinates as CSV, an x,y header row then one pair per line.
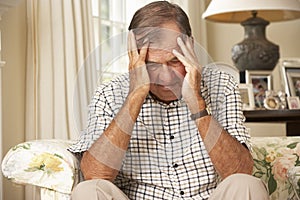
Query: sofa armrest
x,y
43,163
273,157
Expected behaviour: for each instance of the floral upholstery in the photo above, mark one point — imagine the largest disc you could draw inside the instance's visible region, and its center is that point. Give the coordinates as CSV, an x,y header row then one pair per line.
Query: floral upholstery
x,y
47,164
43,163
273,156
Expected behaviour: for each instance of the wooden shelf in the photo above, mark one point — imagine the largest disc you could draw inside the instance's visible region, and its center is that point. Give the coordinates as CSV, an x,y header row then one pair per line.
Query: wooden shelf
x,y
290,117
272,115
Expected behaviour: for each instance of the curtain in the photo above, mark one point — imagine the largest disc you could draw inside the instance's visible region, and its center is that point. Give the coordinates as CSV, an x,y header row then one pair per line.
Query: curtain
x,y
60,70
60,43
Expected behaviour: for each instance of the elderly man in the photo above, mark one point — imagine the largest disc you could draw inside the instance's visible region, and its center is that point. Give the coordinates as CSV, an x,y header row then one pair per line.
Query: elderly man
x,y
168,129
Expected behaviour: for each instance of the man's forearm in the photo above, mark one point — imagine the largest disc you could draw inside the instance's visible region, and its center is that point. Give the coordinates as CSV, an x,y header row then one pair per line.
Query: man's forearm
x,y
228,155
97,161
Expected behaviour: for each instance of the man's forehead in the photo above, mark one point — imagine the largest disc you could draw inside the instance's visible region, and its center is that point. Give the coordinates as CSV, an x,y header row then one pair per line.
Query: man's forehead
x,y
164,40
159,38
159,55
163,48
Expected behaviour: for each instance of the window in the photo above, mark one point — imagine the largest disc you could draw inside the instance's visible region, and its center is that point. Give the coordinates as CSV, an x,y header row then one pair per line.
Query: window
x,y
110,20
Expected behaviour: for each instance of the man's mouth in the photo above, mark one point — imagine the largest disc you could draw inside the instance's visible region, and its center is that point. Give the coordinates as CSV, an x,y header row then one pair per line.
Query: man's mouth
x,y
167,86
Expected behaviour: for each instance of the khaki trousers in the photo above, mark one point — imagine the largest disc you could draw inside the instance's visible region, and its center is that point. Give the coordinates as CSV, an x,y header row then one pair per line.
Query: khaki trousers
x,y
234,187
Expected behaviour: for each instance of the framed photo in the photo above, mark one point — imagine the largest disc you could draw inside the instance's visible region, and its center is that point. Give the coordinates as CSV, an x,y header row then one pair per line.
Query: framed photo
x,y
271,103
291,76
293,102
246,91
261,81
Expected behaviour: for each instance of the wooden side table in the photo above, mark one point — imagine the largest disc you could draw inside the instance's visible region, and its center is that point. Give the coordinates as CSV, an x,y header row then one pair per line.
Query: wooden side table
x,y
290,117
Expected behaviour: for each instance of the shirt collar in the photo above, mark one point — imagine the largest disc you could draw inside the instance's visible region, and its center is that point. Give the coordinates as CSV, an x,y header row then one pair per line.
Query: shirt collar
x,y
151,99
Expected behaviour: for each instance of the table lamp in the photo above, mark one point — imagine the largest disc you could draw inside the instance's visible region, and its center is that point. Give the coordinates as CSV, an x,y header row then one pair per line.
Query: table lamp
x,y
255,52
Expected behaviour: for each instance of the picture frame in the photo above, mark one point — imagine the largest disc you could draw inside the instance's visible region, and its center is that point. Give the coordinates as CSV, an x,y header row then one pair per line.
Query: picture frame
x,y
271,103
293,102
261,81
291,76
246,92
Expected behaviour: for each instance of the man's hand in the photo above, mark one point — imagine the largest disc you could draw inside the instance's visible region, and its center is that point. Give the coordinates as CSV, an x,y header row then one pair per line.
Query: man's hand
x,y
192,81
139,78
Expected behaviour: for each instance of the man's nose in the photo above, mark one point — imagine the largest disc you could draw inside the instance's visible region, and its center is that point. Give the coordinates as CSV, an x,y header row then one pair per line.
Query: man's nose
x,y
166,73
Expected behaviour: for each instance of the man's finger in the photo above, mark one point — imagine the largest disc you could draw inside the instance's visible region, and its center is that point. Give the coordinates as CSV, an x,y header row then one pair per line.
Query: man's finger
x,y
144,50
190,47
182,59
184,49
132,47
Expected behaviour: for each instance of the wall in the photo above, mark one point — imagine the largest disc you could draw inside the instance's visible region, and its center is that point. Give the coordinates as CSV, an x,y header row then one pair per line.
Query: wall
x,y
13,28
221,37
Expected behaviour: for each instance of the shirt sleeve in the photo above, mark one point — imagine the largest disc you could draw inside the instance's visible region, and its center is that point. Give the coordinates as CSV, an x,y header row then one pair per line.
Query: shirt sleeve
x,y
106,102
234,123
99,117
223,96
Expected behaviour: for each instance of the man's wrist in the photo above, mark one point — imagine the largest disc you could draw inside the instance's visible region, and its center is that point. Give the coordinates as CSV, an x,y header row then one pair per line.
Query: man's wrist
x,y
197,105
201,113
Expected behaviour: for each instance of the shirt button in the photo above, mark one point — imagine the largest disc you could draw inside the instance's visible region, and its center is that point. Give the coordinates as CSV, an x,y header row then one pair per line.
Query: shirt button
x,y
181,192
175,165
172,137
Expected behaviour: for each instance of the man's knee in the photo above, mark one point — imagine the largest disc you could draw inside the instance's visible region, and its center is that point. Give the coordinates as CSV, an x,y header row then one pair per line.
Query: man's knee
x,y
244,180
97,189
241,185
83,188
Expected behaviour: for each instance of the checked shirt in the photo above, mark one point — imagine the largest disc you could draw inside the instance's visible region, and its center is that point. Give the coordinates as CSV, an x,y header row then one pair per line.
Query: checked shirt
x,y
166,157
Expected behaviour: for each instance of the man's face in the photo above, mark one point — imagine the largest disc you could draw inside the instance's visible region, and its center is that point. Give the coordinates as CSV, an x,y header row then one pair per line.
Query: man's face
x,y
166,72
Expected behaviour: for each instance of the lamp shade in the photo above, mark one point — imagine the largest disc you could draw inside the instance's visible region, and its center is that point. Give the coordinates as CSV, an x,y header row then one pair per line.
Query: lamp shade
x,y
236,11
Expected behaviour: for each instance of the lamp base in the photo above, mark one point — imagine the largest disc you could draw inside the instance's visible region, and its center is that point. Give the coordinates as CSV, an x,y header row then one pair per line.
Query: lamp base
x,y
255,52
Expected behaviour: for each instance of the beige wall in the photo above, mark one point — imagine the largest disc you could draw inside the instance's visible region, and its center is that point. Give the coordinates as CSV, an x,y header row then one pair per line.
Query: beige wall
x,y
13,29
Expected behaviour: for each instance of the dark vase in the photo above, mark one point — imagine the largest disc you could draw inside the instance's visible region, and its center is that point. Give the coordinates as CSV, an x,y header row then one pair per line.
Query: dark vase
x,y
255,52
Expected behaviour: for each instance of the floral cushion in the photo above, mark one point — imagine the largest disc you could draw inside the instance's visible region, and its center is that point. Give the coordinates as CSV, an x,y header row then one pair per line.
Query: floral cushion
x,y
273,157
43,163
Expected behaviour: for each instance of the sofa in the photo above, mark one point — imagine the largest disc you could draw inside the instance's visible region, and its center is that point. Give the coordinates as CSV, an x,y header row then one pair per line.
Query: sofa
x,y
48,165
